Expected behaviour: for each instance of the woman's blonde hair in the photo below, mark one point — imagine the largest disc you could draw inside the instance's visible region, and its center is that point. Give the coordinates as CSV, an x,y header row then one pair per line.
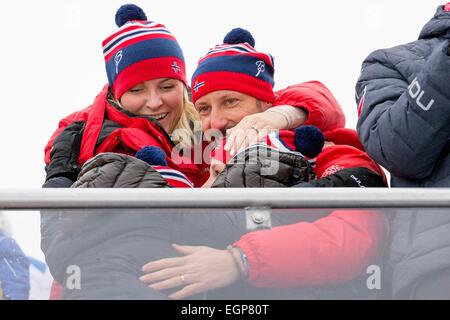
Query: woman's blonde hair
x,y
184,131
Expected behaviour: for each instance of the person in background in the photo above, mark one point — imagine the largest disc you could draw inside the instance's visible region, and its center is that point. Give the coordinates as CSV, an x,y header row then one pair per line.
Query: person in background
x,y
14,265
40,280
403,97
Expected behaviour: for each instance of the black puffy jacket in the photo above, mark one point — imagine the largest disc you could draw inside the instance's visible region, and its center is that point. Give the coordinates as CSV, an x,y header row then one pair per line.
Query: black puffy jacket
x,y
111,246
262,167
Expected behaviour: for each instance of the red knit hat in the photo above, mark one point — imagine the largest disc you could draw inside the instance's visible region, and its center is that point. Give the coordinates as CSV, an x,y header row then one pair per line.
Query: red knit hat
x,y
235,65
139,51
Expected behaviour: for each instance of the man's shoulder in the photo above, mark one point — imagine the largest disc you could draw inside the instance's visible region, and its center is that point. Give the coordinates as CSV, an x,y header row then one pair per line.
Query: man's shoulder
x,y
411,51
307,86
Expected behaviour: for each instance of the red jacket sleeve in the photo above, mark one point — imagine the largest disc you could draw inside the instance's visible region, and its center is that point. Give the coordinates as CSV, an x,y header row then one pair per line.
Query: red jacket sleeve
x,y
76,116
348,152
323,109
334,249
335,158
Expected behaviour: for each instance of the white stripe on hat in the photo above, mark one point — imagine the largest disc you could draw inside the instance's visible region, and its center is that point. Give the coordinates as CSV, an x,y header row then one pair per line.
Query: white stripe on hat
x,y
171,174
143,24
127,38
236,47
121,34
170,177
168,170
275,141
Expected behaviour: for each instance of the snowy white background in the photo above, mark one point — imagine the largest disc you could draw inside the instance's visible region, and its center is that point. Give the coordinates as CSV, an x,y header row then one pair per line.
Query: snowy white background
x,y
51,61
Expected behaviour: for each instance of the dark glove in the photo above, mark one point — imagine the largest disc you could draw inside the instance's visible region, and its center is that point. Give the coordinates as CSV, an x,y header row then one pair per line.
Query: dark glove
x,y
262,168
65,152
347,178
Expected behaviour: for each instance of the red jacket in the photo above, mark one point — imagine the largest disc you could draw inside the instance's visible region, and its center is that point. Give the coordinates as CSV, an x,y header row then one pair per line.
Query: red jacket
x,y
333,249
323,109
134,134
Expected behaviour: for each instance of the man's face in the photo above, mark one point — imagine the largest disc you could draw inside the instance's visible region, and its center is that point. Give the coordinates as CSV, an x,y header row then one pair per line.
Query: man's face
x,y
223,109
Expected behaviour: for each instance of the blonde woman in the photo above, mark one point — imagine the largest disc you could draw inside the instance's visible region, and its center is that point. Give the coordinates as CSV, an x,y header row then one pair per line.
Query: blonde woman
x,y
144,103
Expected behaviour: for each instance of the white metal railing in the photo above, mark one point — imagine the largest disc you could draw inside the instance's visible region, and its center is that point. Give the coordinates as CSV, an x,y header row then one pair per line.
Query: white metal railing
x,y
36,199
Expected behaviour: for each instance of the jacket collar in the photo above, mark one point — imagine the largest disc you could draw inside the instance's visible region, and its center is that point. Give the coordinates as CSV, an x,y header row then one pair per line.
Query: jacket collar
x,y
438,26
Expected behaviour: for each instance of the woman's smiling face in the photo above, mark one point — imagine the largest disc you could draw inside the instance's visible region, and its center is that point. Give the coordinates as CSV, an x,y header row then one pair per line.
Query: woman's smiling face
x,y
161,99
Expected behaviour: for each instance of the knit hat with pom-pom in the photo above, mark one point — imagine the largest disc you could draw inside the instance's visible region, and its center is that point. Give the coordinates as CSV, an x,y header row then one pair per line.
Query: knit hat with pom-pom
x,y
306,140
139,51
156,157
235,65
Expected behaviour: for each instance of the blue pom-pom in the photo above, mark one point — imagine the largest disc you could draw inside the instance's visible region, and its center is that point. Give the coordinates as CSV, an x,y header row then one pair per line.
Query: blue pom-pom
x,y
239,35
154,156
309,140
129,12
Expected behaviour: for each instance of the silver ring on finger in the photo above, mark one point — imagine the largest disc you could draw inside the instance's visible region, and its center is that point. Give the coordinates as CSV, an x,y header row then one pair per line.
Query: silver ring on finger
x,y
183,278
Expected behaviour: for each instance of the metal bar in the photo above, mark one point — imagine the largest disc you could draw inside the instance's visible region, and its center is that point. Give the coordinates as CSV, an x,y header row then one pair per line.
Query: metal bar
x,y
36,199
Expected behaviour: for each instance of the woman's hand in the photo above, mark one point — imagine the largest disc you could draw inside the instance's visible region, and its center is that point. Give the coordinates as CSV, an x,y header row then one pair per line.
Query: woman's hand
x,y
199,270
252,128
